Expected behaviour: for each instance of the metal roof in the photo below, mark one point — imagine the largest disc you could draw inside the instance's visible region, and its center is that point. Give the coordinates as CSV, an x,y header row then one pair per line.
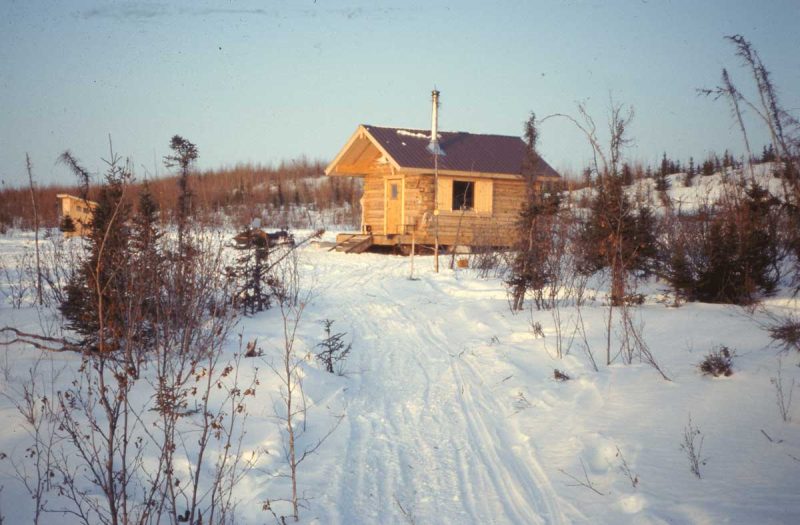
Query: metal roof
x,y
462,151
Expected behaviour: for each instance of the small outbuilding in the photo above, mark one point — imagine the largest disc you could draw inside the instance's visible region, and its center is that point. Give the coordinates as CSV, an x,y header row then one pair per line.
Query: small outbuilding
x,y
480,190
75,214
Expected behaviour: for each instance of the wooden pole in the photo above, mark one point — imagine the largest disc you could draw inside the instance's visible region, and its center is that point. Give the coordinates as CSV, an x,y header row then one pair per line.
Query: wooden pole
x,y
413,246
436,211
35,230
434,148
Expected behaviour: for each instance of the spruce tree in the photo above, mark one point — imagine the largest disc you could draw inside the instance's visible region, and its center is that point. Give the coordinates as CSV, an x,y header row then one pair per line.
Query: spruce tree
x,y
148,261
528,271
97,293
252,272
627,174
662,183
690,173
729,254
184,154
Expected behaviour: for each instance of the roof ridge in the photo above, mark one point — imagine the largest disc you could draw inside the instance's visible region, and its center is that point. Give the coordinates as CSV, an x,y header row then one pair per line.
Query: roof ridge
x,y
423,130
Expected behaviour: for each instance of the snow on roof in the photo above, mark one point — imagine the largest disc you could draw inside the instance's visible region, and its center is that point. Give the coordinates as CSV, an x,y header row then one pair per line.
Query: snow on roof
x,y
468,152
416,134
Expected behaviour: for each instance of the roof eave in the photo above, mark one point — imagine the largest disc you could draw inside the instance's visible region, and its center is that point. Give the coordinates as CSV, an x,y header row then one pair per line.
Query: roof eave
x,y
362,131
461,173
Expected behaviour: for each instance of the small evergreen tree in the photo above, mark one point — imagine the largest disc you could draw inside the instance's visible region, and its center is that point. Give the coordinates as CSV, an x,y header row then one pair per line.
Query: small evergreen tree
x,y
768,154
252,268
534,231
662,182
147,261
333,348
184,154
708,168
728,254
66,225
627,174
690,173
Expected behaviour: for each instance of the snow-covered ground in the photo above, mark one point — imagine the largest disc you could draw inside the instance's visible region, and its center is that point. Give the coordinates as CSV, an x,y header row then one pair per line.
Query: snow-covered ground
x,y
703,191
452,414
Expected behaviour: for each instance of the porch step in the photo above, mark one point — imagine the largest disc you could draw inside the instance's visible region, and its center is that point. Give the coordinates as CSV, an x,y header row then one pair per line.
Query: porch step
x,y
355,243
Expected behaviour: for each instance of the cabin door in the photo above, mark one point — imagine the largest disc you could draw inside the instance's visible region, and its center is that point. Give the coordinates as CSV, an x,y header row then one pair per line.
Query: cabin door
x,y
394,205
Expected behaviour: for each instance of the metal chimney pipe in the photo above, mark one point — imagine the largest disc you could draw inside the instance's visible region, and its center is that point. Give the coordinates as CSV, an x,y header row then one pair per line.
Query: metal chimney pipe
x,y
435,117
434,145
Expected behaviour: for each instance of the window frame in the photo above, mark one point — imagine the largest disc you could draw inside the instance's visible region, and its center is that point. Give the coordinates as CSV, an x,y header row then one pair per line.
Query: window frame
x,y
466,197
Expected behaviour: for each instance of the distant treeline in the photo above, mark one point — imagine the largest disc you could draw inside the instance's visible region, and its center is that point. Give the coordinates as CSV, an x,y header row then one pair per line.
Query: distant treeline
x,y
241,192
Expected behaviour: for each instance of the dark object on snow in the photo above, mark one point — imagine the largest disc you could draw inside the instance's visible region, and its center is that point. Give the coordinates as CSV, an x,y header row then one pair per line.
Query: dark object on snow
x,y
253,350
786,333
258,237
280,238
719,363
560,376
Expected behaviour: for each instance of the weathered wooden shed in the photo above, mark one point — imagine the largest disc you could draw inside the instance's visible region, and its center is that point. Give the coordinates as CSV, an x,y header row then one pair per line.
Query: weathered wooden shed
x,y
76,212
481,186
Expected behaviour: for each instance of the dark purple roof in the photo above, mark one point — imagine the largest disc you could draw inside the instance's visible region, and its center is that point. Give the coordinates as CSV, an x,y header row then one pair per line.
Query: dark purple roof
x,y
462,151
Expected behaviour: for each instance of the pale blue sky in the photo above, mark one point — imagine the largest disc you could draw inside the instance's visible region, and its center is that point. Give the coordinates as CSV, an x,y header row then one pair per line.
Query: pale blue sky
x,y
262,81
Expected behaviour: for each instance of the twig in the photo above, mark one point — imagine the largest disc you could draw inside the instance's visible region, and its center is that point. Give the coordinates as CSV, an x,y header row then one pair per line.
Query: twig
x,y
582,483
769,438
406,513
626,469
39,341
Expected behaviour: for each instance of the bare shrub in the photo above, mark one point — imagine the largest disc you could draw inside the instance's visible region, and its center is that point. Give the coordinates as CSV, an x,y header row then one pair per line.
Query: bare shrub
x,y
718,363
18,286
585,482
692,445
633,343
626,469
536,329
35,469
786,333
484,255
164,331
782,398
291,411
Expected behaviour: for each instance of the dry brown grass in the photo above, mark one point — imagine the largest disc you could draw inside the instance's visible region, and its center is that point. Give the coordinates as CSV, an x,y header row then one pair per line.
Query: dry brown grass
x,y
241,191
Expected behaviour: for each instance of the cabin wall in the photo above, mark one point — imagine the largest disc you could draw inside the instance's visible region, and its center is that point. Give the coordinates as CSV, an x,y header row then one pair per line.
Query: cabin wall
x,y
490,223
418,203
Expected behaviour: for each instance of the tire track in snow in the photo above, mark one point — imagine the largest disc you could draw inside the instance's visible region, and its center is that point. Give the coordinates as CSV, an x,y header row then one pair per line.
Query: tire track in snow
x,y
522,481
519,490
423,432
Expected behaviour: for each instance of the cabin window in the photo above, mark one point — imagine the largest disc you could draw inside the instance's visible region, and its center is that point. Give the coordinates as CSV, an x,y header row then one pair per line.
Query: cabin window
x,y
463,195
473,196
393,191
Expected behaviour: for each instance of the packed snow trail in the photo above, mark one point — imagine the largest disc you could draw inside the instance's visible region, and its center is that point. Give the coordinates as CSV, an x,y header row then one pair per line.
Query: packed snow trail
x,y
426,437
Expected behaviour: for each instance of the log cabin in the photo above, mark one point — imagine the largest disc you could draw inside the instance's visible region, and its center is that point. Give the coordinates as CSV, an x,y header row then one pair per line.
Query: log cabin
x,y
476,201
